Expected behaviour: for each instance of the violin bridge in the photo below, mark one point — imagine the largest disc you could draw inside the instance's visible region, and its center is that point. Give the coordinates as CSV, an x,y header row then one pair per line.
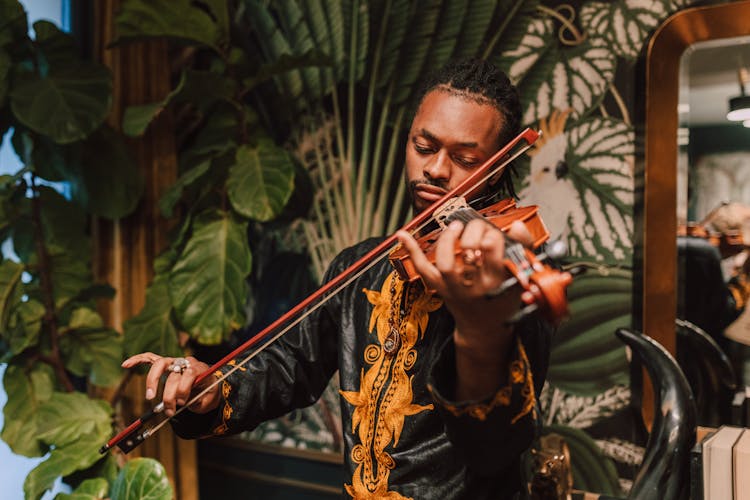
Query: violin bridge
x,y
442,214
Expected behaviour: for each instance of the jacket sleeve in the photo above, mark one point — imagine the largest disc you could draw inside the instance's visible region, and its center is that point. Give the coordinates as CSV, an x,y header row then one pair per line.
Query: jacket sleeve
x,y
291,373
491,434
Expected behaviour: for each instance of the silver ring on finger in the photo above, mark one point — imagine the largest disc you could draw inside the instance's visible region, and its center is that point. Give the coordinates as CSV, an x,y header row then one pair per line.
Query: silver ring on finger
x,y
472,257
179,365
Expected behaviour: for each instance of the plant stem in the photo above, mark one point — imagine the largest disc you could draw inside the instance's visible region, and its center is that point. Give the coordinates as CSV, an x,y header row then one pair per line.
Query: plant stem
x,y
45,278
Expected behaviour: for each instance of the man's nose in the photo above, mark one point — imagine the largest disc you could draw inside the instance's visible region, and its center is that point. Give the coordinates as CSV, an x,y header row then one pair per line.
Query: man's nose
x,y
438,166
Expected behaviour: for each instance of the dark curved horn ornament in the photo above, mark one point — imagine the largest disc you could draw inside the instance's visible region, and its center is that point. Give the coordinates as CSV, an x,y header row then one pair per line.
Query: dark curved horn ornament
x,y
664,473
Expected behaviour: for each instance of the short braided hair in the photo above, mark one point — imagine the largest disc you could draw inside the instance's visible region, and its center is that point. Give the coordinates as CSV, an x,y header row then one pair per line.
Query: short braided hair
x,y
483,82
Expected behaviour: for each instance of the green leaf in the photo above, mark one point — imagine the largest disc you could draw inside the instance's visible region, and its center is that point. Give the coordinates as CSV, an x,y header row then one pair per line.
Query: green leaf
x,y
70,277
261,181
13,23
67,104
142,479
552,76
58,47
137,118
91,489
108,183
624,25
96,354
69,417
152,328
25,326
10,275
179,19
61,462
207,284
586,357
83,317
356,36
26,393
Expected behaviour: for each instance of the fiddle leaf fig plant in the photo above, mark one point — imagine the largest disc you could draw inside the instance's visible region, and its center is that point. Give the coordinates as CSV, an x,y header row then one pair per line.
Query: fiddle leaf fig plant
x,y
232,173
53,342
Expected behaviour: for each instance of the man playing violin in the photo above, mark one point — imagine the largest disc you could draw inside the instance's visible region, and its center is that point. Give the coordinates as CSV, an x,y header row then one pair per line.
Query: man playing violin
x,y
437,388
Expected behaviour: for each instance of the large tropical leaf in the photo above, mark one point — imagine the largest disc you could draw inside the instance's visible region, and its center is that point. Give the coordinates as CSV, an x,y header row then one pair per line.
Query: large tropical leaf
x,y
582,180
152,329
90,489
207,284
27,392
62,461
67,104
555,77
261,180
586,357
56,46
13,24
70,277
623,24
297,31
91,350
142,479
180,19
25,326
68,417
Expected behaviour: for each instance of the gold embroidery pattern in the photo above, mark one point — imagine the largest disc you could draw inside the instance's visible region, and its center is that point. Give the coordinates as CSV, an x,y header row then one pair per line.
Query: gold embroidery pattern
x,y
520,372
227,410
385,395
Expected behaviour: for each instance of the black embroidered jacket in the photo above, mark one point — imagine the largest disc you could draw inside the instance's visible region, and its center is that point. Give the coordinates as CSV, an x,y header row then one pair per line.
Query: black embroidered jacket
x,y
392,346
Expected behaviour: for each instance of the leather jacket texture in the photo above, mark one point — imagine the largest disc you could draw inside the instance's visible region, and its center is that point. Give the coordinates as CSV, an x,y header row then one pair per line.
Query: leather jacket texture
x,y
391,345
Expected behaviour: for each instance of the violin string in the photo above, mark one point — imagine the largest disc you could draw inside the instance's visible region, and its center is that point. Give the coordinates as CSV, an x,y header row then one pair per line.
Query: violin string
x,y
152,430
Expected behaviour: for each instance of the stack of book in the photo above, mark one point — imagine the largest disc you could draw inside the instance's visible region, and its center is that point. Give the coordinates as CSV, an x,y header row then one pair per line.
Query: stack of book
x,y
720,465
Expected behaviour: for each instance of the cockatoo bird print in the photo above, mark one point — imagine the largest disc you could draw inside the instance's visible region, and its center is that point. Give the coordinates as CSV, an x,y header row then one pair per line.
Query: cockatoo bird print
x,y
582,180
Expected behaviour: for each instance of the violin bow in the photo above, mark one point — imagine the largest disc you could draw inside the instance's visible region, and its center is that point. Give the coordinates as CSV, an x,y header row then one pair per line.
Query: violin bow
x,y
132,436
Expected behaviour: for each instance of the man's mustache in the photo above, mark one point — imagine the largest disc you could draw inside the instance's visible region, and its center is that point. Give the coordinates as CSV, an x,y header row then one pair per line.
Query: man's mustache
x,y
413,185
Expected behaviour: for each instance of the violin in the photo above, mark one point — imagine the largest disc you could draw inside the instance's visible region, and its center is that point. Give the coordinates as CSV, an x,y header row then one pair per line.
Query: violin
x,y
543,287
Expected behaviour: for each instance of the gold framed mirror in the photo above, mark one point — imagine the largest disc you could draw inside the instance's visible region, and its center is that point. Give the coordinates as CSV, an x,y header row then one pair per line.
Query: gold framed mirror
x,y
659,256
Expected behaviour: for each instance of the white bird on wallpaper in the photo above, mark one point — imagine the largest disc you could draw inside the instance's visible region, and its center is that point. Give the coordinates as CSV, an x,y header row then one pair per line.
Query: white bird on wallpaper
x,y
548,184
581,179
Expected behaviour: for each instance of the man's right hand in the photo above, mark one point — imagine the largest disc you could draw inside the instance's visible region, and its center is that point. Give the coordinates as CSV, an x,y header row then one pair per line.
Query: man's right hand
x,y
178,387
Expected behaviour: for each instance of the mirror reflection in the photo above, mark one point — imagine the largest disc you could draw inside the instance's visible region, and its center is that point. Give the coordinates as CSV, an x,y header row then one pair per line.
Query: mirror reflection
x,y
713,202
